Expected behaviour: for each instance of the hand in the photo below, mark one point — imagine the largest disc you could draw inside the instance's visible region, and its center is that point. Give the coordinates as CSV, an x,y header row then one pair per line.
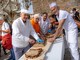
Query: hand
x,y
51,39
40,41
38,34
31,41
42,37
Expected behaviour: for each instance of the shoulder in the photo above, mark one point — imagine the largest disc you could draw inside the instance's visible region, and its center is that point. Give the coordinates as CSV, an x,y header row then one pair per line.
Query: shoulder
x,y
5,24
16,21
63,13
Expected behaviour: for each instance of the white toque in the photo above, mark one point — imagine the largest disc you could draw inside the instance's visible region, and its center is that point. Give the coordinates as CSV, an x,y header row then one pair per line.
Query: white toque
x,y
53,4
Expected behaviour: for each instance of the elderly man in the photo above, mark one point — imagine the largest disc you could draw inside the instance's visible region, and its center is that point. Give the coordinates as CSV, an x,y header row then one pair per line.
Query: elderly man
x,y
44,23
35,23
67,23
36,26
22,29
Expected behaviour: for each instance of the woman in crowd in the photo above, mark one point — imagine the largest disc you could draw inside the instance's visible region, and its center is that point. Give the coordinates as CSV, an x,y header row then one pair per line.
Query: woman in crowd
x,y
6,37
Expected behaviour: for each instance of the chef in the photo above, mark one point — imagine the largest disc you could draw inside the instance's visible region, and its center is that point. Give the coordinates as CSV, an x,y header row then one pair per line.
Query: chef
x,y
67,23
22,29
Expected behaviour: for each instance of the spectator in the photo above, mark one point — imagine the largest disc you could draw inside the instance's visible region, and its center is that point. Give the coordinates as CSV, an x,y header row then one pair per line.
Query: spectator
x,y
75,14
44,23
6,37
53,24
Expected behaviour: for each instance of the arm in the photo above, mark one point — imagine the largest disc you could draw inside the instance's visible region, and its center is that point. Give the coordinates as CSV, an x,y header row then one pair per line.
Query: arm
x,y
58,30
33,33
5,28
6,31
62,18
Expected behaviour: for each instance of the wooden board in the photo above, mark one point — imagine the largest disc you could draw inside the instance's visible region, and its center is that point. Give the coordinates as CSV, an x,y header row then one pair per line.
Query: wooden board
x,y
42,55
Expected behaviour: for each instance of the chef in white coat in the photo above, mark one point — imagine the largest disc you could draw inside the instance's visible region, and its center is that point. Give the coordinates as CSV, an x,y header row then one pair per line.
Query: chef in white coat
x,y
21,30
67,23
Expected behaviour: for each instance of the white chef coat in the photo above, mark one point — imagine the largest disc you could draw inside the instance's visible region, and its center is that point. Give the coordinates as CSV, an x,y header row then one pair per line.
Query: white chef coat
x,y
69,23
44,25
21,33
71,33
5,26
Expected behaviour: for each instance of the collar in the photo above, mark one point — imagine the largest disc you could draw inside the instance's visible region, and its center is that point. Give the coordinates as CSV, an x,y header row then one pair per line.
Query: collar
x,y
23,22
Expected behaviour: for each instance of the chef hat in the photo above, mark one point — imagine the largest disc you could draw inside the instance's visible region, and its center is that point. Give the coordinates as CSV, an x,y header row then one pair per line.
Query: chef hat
x,y
25,11
52,4
1,18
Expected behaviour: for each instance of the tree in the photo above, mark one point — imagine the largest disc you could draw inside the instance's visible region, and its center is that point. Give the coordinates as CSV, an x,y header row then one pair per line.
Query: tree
x,y
12,7
7,7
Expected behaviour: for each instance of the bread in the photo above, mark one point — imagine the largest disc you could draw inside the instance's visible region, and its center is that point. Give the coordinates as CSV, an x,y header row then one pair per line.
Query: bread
x,y
33,53
39,45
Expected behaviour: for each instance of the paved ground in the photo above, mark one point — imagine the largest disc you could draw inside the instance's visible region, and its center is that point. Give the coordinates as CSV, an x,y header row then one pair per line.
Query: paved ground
x,y
67,53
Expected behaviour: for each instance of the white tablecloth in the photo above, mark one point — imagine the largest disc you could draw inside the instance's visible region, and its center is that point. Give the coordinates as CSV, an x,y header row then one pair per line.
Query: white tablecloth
x,y
56,51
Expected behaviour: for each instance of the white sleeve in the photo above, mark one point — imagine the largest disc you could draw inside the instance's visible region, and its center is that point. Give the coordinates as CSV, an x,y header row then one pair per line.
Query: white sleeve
x,y
16,32
6,26
33,33
63,15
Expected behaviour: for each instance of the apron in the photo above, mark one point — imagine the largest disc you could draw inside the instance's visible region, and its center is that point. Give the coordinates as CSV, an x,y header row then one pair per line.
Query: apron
x,y
7,41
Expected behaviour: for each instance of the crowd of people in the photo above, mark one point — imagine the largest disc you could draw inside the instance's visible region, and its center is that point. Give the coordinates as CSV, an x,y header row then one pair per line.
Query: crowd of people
x,y
18,37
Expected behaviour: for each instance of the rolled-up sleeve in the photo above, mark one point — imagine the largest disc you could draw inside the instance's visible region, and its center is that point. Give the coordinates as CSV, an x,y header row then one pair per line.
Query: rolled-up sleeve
x,y
63,15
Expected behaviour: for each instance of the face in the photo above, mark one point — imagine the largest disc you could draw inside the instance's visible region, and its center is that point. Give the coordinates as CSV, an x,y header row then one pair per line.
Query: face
x,y
54,10
36,19
24,16
44,17
52,20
